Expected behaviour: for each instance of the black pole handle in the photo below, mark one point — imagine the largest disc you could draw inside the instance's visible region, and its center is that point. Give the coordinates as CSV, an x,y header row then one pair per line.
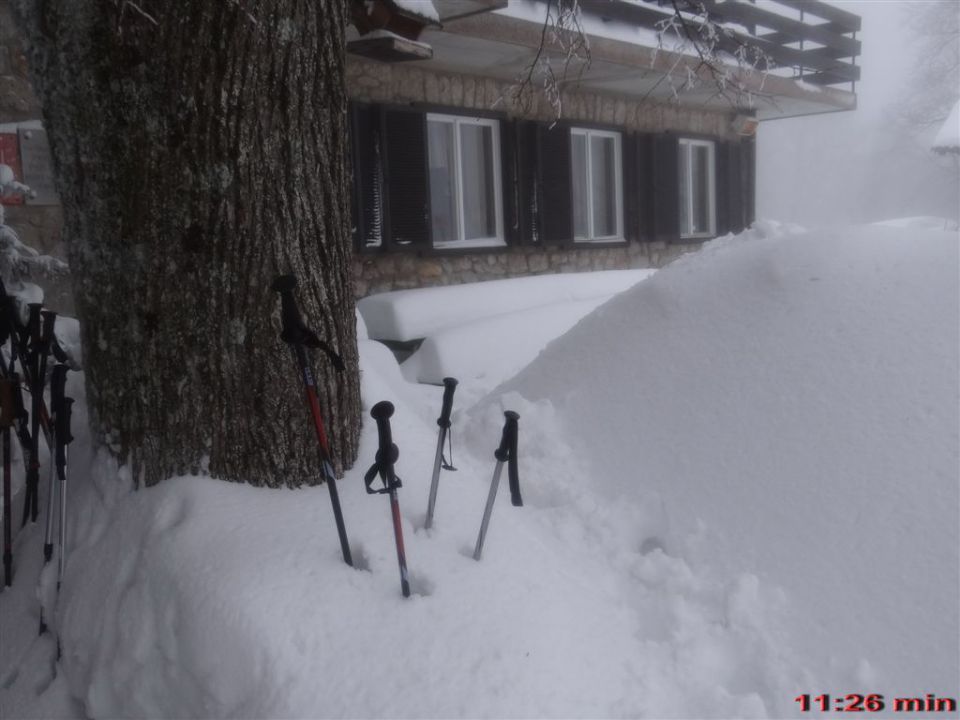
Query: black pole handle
x,y
507,452
382,412
7,411
63,431
502,453
293,330
449,386
46,333
58,384
33,322
387,453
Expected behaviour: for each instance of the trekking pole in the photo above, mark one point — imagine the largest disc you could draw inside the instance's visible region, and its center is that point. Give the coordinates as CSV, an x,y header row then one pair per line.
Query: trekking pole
x,y
387,455
300,337
6,420
64,438
58,381
506,453
62,408
33,466
449,386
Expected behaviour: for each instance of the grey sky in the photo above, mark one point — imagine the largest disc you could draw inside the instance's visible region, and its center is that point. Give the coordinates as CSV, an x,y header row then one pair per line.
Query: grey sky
x,y
862,165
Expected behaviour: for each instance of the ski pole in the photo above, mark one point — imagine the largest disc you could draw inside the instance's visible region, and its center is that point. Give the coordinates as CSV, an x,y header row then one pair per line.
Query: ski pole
x,y
506,453
300,337
449,386
63,439
58,381
33,466
6,420
387,455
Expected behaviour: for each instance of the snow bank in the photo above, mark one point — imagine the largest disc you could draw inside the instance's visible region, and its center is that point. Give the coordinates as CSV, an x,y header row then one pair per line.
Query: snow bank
x,y
412,314
491,350
739,482
791,407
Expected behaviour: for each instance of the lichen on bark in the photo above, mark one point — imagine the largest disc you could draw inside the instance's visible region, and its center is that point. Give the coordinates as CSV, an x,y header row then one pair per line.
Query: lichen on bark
x,y
199,150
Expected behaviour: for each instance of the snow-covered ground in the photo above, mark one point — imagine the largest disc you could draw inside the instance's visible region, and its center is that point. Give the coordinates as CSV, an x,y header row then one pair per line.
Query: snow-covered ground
x,y
740,481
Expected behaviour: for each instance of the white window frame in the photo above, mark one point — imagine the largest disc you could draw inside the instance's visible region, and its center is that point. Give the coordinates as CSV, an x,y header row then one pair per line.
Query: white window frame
x,y
685,232
458,121
589,133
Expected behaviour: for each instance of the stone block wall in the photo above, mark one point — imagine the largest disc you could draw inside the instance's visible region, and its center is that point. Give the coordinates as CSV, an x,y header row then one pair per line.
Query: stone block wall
x,y
369,81
382,272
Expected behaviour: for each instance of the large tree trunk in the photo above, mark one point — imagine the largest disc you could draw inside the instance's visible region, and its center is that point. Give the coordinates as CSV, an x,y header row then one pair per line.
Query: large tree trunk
x,y
200,150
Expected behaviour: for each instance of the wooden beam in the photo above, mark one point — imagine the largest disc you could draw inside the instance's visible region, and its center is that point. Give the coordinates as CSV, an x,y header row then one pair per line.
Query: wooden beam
x,y
849,21
750,15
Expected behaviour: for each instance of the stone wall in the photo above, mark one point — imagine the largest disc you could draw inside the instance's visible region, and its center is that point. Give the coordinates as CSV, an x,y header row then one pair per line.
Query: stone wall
x,y
374,272
370,81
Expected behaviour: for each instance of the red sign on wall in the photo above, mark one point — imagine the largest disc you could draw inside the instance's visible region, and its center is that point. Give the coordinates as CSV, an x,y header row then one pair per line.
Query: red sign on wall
x,y
10,155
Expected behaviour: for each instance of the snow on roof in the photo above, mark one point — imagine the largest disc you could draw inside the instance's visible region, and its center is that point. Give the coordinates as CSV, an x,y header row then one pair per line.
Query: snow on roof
x,y
421,8
948,139
411,314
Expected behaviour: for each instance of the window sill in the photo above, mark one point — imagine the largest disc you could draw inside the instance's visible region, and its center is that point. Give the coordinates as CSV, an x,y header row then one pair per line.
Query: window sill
x,y
612,240
469,244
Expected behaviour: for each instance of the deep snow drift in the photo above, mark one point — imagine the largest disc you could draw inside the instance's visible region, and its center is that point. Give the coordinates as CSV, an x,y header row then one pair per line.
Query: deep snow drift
x,y
792,406
740,485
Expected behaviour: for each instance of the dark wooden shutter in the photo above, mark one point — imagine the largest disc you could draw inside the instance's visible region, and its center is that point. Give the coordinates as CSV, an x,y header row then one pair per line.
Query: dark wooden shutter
x,y
366,199
643,144
631,197
510,180
556,187
724,188
666,188
748,170
407,220
528,196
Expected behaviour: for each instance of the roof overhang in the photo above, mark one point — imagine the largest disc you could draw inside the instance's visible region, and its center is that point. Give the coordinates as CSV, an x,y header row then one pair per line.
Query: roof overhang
x,y
504,43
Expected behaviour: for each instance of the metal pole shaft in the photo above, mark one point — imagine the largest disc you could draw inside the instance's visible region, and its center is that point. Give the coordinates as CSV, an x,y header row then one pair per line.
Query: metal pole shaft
x,y
301,357
398,536
435,480
51,491
7,513
63,520
494,484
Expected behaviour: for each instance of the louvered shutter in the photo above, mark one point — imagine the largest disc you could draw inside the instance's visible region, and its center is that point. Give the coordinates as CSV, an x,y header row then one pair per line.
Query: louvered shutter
x,y
631,192
510,181
666,188
556,187
748,170
725,186
643,143
407,217
367,187
528,186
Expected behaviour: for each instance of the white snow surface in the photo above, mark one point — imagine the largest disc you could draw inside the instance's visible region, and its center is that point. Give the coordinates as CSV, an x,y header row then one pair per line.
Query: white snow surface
x,y
421,8
474,351
740,485
412,314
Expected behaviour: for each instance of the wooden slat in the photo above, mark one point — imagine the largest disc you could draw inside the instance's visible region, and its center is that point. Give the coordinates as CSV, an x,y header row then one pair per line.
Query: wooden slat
x,y
789,37
788,30
752,15
849,21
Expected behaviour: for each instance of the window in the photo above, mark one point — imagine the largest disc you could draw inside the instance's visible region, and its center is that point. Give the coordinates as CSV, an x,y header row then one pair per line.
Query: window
x,y
465,198
697,189
597,185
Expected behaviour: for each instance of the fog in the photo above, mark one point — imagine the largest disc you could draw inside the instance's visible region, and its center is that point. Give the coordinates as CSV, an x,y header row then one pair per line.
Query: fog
x,y
870,164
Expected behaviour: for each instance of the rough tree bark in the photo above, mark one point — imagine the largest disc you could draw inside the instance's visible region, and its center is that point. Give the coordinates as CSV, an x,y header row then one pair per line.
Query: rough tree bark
x,y
200,149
